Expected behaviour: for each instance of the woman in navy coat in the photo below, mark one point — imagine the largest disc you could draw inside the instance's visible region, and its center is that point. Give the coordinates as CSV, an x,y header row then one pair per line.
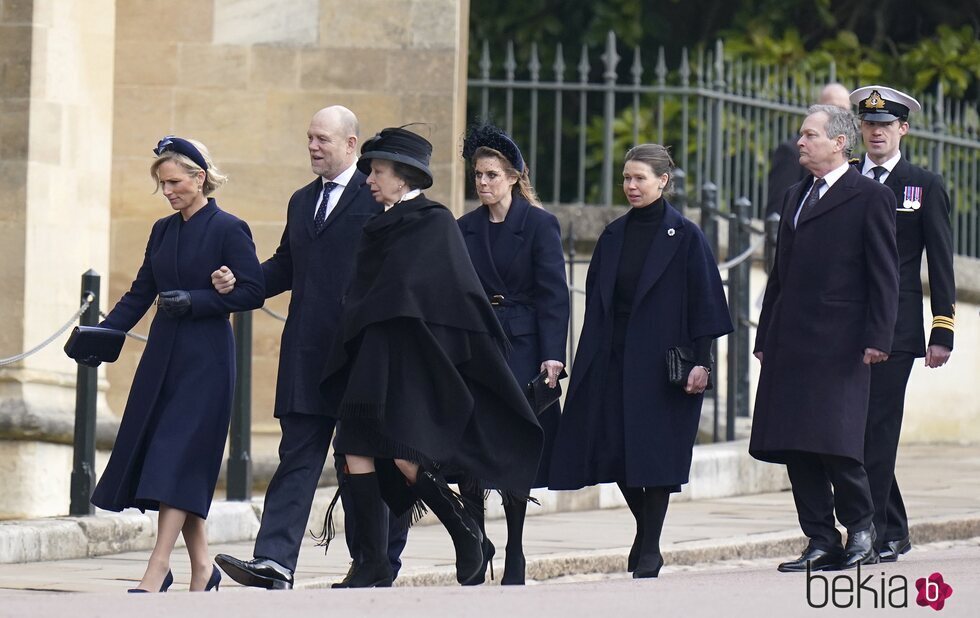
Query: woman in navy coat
x,y
172,436
515,246
652,285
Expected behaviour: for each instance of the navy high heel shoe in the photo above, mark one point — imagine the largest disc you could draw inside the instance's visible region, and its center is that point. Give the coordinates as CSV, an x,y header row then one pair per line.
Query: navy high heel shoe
x,y
215,580
167,582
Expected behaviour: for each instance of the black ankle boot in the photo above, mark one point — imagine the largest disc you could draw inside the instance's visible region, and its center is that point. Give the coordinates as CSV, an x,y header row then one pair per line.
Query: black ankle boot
x,y
464,530
634,500
372,570
650,560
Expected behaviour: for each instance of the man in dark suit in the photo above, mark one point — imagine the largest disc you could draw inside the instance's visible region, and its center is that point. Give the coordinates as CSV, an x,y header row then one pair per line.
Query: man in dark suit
x,y
828,314
315,261
786,170
922,222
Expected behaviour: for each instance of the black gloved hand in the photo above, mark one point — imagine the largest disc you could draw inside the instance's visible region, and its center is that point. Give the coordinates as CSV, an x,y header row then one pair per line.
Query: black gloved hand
x,y
176,303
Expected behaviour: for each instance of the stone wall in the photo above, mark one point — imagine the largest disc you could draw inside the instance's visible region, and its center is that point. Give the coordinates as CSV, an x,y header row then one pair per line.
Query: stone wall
x,y
56,66
245,77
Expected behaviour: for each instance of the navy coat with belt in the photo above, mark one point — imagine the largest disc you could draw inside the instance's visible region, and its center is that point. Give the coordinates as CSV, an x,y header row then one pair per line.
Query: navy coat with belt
x,y
531,279
832,292
679,298
318,269
172,435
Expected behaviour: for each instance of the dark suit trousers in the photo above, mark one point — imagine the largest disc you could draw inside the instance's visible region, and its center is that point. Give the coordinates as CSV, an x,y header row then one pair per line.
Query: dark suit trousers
x,y
302,453
886,407
823,484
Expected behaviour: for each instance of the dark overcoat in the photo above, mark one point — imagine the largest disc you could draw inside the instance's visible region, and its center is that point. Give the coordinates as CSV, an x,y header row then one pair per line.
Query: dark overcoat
x,y
172,435
832,292
317,268
679,298
531,280
922,222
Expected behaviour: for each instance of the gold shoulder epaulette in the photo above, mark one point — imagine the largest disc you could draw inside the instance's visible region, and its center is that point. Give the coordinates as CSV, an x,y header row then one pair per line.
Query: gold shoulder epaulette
x,y
854,161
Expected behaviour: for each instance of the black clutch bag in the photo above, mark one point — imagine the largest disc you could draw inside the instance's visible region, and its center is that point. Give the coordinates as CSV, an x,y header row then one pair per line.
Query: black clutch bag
x,y
91,345
540,395
680,362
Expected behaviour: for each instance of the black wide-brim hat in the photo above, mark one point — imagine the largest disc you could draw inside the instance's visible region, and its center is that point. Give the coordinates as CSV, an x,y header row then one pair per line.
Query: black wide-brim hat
x,y
400,145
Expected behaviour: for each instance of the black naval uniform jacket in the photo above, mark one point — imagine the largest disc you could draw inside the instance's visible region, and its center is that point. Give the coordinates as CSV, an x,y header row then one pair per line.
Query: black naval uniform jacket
x,y
922,223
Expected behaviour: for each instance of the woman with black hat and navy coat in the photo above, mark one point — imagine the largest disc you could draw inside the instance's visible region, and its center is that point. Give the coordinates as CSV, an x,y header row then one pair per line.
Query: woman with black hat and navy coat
x,y
515,245
167,453
652,285
417,375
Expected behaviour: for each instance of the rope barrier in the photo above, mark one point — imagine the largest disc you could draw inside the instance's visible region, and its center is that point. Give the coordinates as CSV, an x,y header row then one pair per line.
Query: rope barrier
x,y
741,257
89,297
272,313
131,335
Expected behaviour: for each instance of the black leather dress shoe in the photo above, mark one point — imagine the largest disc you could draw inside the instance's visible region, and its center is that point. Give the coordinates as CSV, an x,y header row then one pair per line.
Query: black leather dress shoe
x,y
891,550
257,573
819,559
860,549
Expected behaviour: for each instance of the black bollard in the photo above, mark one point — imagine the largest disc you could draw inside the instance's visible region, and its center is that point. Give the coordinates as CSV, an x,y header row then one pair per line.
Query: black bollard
x,y
239,486
86,391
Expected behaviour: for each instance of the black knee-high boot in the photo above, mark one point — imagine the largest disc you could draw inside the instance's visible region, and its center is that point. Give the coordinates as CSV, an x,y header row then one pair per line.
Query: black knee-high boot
x,y
372,569
634,500
474,502
465,532
515,564
655,500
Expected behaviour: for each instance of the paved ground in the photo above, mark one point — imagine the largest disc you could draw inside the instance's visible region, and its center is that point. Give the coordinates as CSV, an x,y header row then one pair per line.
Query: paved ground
x,y
941,484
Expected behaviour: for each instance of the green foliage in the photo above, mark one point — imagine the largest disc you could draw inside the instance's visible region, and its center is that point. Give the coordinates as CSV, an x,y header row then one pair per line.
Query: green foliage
x,y
951,57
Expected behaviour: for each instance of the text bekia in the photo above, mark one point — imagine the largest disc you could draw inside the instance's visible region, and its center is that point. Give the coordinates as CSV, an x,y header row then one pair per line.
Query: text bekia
x,y
854,590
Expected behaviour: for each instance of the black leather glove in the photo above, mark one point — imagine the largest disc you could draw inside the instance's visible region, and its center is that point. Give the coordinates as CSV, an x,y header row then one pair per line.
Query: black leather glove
x,y
176,303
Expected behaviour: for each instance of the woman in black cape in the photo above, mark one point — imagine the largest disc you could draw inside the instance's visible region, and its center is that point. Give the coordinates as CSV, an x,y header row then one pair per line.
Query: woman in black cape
x,y
417,377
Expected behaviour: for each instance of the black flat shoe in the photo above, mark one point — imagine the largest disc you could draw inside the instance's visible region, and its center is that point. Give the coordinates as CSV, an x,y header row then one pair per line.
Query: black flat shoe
x,y
167,582
214,581
891,550
819,559
257,573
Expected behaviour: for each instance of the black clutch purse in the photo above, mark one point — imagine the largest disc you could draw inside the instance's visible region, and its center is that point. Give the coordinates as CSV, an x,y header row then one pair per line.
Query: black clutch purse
x,y
680,362
540,395
91,345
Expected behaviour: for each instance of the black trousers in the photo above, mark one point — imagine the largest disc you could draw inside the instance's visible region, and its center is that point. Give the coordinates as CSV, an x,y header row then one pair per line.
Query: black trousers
x,y
823,484
289,498
886,407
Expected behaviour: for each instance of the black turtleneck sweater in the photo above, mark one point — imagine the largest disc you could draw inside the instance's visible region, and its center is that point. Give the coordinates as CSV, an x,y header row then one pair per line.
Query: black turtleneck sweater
x,y
642,230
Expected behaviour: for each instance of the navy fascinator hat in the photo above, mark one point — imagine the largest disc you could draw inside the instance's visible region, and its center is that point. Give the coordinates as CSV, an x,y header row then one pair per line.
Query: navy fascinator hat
x,y
490,136
399,145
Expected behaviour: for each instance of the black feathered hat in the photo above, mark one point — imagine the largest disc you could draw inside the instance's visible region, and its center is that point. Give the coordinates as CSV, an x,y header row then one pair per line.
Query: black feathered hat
x,y
400,145
493,137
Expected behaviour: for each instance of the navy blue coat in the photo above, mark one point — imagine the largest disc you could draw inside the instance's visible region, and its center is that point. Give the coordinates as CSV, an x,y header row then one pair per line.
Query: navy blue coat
x,y
534,313
172,435
832,292
679,298
318,269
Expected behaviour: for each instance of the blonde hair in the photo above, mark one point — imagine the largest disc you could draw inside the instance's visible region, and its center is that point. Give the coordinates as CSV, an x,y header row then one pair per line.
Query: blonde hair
x,y
523,185
213,178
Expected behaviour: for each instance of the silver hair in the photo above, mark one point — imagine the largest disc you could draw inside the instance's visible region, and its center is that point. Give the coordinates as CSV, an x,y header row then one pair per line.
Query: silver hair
x,y
839,122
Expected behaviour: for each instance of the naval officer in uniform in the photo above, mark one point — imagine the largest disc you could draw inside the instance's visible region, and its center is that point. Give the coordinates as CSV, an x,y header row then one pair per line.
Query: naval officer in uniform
x,y
922,222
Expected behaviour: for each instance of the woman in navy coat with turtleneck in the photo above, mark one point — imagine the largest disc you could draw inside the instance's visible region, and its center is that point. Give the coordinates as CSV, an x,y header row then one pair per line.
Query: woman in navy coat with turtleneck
x,y
515,246
652,285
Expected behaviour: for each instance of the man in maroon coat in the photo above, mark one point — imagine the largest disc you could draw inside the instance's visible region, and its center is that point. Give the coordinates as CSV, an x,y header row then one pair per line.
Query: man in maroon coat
x,y
829,313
